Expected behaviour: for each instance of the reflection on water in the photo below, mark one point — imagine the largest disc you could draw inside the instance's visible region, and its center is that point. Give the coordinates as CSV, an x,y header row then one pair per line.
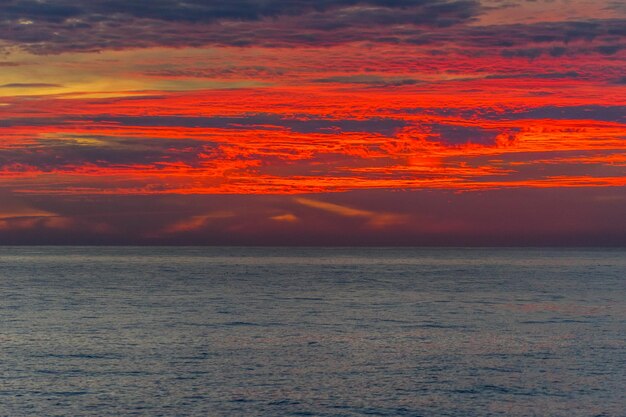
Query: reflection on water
x,y
323,332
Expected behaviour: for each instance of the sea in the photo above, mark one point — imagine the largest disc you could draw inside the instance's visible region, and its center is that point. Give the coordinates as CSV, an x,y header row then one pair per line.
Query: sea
x,y
234,331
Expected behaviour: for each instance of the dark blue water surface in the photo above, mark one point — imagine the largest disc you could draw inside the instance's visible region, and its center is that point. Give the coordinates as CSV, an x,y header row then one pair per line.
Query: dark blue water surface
x,y
312,332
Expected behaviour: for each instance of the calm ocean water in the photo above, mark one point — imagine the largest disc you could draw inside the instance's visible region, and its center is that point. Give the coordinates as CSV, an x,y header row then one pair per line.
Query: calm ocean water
x,y
312,332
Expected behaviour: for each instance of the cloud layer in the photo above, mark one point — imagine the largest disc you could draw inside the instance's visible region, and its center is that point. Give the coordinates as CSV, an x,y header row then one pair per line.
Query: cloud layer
x,y
55,26
312,121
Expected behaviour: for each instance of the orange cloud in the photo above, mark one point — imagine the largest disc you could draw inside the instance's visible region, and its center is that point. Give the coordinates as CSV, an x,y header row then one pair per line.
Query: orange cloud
x,y
47,221
374,219
25,213
14,211
287,217
196,222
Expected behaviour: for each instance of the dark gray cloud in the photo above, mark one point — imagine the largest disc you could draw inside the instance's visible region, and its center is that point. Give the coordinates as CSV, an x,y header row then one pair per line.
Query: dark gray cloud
x,y
29,85
459,134
546,76
590,112
116,25
369,79
261,121
530,53
60,25
305,124
208,11
56,26
50,155
609,49
33,121
542,36
49,11
553,39
254,71
557,51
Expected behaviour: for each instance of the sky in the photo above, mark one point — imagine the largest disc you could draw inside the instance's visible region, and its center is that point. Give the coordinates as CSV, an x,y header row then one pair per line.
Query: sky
x,y
313,122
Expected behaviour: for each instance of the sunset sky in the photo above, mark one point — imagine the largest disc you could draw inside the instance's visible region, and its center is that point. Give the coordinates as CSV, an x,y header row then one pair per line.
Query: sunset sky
x,y
313,122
